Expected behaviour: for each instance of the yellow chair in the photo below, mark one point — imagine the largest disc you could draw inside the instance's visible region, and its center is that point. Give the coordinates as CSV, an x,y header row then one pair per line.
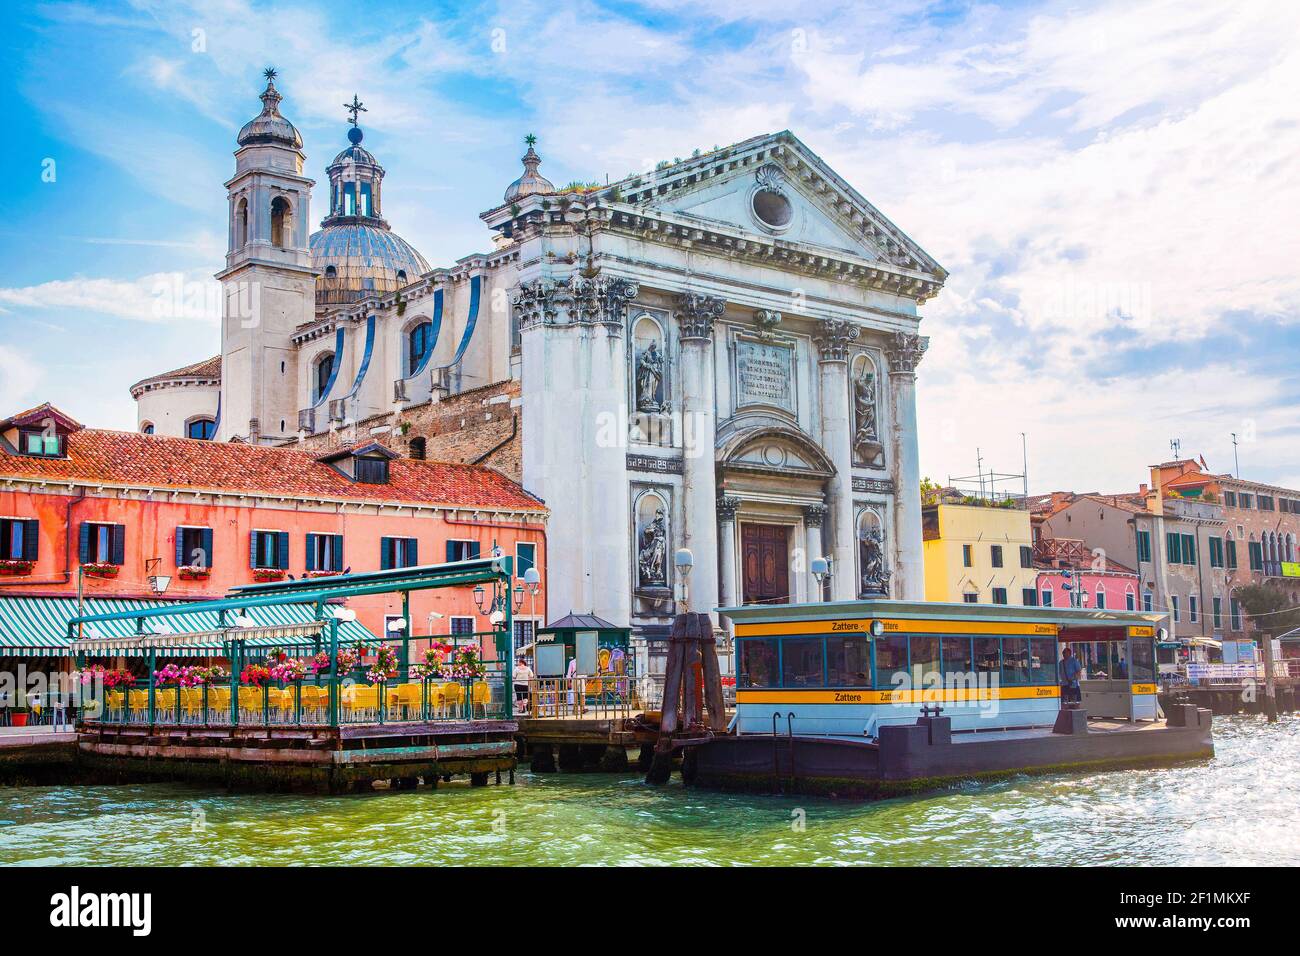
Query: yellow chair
x,y
218,705
315,700
250,704
138,701
192,703
453,696
481,696
409,698
115,707
436,700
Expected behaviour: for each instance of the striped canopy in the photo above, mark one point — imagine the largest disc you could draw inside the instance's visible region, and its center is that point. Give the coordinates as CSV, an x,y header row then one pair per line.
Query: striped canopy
x,y
38,626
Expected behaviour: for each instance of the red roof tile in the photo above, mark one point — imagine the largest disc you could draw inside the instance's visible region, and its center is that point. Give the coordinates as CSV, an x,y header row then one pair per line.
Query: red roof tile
x,y
156,461
207,369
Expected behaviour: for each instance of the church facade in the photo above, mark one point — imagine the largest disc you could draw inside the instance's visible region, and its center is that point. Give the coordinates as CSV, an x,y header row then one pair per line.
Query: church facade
x,y
717,355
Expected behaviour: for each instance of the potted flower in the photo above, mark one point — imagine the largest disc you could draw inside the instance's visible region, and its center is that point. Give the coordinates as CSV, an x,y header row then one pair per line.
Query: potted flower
x,y
288,670
194,572
320,664
385,665
255,675
100,569
18,716
463,663
320,574
434,657
15,567
264,575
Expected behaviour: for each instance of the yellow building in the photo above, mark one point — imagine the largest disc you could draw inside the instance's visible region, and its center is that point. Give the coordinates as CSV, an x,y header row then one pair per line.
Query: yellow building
x,y
978,553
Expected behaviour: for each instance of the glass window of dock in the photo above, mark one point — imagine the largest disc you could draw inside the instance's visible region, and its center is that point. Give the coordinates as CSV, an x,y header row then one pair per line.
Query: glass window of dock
x,y
1095,658
1142,660
802,662
848,661
988,660
925,669
758,664
891,660
1118,660
957,660
1042,660
1015,661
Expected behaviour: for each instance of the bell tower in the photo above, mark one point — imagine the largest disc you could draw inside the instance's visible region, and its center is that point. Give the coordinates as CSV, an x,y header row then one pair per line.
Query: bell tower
x,y
268,286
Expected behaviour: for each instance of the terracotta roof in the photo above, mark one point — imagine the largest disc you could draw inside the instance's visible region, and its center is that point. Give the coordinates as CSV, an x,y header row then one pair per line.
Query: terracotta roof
x,y
155,461
37,415
207,369
1130,501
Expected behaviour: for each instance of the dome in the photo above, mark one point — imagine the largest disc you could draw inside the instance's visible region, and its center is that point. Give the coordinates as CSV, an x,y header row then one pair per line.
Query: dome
x,y
269,128
531,181
354,259
355,153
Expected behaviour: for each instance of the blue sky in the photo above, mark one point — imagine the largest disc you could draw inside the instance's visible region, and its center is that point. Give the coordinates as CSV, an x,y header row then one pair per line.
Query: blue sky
x,y
1112,185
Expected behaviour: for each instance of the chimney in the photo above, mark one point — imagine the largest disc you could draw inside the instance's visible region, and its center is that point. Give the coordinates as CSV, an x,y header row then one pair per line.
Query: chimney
x,y
1142,489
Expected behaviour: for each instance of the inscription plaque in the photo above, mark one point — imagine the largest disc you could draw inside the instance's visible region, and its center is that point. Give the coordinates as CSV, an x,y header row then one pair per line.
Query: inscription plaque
x,y
764,374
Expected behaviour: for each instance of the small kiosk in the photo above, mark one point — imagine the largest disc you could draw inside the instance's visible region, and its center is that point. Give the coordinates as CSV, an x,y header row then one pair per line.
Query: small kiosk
x,y
600,647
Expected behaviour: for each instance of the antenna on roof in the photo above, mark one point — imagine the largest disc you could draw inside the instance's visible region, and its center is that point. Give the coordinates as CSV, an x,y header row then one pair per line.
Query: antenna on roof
x,y
1177,446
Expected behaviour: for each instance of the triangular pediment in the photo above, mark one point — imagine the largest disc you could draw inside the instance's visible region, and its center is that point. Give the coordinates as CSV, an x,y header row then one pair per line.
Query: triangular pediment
x,y
774,186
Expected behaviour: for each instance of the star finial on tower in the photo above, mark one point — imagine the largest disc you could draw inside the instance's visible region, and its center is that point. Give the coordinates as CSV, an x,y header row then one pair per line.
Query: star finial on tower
x,y
270,74
354,108
530,140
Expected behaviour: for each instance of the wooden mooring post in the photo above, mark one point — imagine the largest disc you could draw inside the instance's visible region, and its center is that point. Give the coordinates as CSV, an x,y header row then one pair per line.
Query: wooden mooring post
x,y
693,709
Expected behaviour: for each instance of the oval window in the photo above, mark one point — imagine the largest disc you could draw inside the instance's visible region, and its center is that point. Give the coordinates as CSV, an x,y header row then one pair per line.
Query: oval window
x,y
772,209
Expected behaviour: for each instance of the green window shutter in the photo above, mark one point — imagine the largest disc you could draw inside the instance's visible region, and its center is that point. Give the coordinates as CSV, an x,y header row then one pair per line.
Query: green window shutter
x,y
1189,549
117,544
206,544
413,553
385,554
282,550
336,547
1172,544
83,542
252,549
311,552
180,548
31,538
474,550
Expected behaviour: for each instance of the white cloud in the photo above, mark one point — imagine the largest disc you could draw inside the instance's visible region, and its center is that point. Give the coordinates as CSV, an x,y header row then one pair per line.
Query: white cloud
x,y
160,297
19,377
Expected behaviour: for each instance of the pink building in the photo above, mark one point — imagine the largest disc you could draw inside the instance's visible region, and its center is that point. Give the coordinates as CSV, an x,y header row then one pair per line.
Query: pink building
x,y
1102,582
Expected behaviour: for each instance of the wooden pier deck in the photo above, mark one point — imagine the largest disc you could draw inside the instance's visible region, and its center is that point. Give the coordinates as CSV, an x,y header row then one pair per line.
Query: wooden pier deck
x,y
349,757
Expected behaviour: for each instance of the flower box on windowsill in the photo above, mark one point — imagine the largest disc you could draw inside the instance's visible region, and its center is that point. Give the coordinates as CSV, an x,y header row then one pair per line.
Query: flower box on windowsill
x,y
193,573
101,570
15,567
321,574
265,575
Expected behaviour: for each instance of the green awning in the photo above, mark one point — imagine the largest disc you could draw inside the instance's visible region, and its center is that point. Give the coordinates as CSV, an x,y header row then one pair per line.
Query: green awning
x,y
38,626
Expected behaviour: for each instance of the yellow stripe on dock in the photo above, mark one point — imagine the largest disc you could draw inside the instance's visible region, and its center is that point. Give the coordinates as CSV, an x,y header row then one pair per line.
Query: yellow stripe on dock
x,y
789,695
863,626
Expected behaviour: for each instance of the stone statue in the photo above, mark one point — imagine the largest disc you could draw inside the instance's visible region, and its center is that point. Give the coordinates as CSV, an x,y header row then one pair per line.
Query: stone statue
x,y
652,551
867,449
871,557
649,379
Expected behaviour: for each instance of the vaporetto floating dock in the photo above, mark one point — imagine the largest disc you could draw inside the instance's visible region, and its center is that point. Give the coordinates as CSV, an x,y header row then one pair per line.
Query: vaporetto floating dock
x,y
880,697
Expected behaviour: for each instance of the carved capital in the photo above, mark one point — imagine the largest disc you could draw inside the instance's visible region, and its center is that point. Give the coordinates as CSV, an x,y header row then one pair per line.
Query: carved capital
x,y
727,507
766,321
905,351
575,300
814,516
834,336
696,314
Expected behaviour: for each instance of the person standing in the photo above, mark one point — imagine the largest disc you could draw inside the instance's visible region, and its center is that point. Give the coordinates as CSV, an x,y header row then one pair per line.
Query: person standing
x,y
1070,670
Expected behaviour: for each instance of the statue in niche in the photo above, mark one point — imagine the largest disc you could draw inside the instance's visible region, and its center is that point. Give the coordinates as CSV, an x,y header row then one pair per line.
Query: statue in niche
x,y
871,557
867,449
652,550
649,379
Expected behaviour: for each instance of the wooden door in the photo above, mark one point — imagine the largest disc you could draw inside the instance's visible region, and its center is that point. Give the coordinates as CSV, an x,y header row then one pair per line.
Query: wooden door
x,y
766,564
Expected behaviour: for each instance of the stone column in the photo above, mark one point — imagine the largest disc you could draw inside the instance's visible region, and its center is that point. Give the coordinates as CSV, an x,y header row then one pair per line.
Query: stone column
x,y
695,315
813,518
833,338
727,507
904,352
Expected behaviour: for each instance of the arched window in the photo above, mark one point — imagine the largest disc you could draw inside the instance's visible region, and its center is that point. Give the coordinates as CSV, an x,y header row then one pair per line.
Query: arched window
x,y
401,276
331,272
321,380
204,428
416,448
281,222
418,342
146,428
241,223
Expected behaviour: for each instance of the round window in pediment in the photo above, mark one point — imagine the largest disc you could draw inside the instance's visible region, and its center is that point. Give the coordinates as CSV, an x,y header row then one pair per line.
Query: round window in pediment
x,y
772,208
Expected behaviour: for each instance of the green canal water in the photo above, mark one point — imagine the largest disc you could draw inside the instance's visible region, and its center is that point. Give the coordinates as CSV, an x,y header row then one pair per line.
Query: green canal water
x,y
1240,808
